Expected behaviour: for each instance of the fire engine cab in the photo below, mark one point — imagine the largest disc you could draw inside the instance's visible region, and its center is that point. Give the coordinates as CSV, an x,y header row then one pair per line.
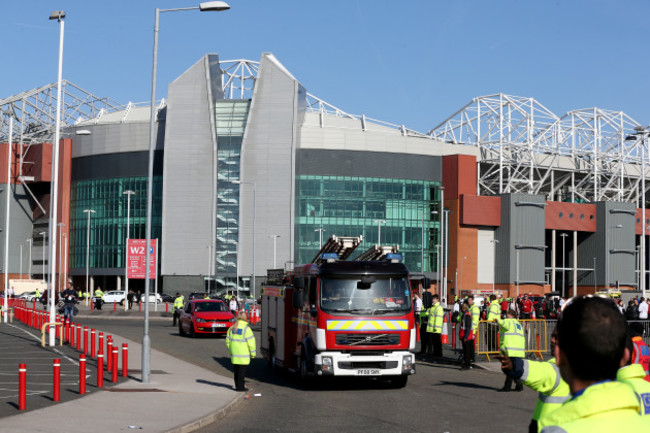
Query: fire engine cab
x,y
339,317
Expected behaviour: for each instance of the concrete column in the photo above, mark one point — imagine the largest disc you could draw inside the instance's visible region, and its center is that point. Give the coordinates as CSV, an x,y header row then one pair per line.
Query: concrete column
x,y
119,282
575,263
553,260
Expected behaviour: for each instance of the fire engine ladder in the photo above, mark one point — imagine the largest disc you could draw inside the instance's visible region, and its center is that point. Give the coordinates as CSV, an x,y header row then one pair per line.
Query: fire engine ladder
x,y
342,246
377,252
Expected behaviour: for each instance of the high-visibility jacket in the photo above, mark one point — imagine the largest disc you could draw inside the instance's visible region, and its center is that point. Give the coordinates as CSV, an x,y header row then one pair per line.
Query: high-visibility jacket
x,y
178,302
634,376
475,311
240,342
609,406
99,294
511,335
38,293
543,377
494,311
436,314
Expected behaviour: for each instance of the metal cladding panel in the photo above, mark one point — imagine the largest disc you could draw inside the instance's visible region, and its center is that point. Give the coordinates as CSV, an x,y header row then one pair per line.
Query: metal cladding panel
x,y
109,166
187,223
267,160
367,164
615,237
20,226
116,138
522,228
485,256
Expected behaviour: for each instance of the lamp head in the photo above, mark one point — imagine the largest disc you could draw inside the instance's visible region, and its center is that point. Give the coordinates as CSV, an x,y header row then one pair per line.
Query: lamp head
x,y
57,15
214,6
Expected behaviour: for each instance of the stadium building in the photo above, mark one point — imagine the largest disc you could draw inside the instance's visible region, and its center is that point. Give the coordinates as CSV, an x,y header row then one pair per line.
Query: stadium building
x,y
252,172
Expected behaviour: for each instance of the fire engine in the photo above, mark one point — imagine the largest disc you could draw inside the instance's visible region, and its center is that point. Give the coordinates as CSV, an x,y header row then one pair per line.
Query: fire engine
x,y
339,317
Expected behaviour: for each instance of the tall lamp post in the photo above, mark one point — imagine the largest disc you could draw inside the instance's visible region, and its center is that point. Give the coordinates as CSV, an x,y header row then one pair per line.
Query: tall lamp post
x,y
275,238
43,263
128,193
461,276
379,223
146,341
60,225
89,212
29,264
5,308
494,277
241,182
54,193
564,235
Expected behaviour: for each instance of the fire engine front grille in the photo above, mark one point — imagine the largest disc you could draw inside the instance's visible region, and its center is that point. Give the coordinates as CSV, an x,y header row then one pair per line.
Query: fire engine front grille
x,y
367,339
352,365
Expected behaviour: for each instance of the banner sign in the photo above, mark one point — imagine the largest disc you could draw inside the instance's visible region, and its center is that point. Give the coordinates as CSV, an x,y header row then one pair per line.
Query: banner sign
x,y
136,260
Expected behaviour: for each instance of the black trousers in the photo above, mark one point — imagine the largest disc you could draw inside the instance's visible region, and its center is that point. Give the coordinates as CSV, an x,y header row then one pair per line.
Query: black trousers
x,y
425,340
436,340
176,314
98,304
468,352
508,384
240,375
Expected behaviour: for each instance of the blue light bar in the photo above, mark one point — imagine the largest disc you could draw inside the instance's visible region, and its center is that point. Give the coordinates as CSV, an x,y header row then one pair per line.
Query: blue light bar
x,y
394,256
329,256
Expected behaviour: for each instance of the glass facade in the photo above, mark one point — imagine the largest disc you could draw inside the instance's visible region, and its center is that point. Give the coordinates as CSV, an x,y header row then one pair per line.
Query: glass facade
x,y
353,206
108,223
231,117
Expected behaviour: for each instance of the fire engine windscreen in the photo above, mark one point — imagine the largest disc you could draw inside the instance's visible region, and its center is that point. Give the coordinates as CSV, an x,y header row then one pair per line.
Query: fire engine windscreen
x,y
363,296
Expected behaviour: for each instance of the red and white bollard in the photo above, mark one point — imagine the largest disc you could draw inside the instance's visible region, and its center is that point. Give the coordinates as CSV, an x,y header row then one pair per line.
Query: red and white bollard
x,y
109,355
100,346
71,334
22,386
85,340
92,343
125,360
78,337
56,392
114,362
100,370
82,374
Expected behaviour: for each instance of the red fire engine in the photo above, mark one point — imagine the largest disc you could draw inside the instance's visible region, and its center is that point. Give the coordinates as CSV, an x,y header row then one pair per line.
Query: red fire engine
x,y
338,317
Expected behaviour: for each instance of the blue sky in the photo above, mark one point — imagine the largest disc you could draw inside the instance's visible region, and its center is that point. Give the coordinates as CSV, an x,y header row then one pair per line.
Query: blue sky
x,y
405,62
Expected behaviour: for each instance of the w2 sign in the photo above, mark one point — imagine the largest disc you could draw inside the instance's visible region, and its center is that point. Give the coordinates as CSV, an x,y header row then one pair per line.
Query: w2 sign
x,y
136,259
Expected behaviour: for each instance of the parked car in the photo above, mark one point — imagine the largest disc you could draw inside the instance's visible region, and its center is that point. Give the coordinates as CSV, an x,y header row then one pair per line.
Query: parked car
x,y
28,296
152,297
196,295
205,316
166,298
113,296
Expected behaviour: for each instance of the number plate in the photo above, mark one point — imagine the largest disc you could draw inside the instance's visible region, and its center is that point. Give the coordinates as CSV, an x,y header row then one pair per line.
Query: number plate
x,y
367,372
218,325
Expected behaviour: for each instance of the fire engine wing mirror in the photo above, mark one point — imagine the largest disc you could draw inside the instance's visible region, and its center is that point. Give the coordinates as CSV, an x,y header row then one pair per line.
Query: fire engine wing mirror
x,y
366,282
297,300
299,283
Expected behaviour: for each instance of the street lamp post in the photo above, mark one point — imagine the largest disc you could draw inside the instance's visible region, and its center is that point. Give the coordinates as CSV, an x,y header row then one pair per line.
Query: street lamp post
x,y
517,247
128,194
54,193
564,235
29,264
43,263
146,341
240,182
494,276
60,225
275,238
379,223
5,308
461,275
88,211
595,289
320,237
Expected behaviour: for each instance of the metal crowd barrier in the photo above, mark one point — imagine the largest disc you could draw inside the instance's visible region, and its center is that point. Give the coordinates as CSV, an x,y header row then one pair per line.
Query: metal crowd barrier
x,y
535,332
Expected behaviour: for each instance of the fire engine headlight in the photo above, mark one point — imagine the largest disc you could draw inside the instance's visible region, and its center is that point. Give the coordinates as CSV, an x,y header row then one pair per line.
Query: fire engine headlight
x,y
407,362
328,364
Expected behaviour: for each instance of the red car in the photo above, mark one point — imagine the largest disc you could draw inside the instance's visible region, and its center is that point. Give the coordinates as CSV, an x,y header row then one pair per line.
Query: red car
x,y
205,316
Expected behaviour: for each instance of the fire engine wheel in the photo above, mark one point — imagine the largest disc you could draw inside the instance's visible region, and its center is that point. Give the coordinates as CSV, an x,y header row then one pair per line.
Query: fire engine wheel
x,y
399,381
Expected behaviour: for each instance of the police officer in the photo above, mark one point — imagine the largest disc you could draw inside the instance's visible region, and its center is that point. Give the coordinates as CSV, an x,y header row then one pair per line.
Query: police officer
x,y
178,306
99,298
512,344
634,375
434,326
590,349
475,312
240,342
